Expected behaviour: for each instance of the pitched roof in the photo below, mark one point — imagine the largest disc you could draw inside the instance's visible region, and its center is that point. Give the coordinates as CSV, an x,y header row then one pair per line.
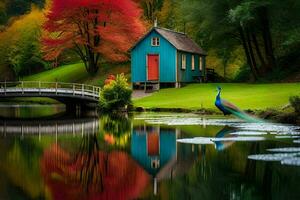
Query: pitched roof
x,y
179,40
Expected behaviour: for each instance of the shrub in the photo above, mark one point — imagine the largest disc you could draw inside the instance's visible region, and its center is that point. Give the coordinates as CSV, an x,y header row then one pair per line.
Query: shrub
x,y
295,103
116,94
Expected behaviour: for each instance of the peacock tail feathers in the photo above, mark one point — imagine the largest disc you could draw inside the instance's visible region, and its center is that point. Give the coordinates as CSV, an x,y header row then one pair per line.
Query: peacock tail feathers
x,y
246,117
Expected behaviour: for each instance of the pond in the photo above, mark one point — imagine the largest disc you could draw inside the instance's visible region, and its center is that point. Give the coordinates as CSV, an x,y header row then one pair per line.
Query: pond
x,y
148,156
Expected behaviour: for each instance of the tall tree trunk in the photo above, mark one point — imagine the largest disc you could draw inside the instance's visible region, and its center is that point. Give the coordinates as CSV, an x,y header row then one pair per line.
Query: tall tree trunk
x,y
92,63
224,67
266,33
258,52
247,53
252,56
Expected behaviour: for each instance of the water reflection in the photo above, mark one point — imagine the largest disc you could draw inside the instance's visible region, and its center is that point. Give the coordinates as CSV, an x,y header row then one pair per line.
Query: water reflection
x,y
122,157
154,148
15,110
49,126
92,173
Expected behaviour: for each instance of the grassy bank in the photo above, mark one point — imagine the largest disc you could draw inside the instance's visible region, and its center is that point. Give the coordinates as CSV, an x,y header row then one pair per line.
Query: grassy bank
x,y
199,96
76,73
67,73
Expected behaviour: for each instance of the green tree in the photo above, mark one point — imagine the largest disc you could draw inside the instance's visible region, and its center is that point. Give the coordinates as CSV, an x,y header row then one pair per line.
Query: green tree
x,y
262,28
151,8
22,51
3,15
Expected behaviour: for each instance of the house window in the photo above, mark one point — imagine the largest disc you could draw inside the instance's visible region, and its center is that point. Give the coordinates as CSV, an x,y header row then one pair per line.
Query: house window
x,y
200,63
183,61
155,41
193,62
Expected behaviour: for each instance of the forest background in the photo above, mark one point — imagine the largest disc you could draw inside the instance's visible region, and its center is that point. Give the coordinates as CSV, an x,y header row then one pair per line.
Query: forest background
x,y
246,40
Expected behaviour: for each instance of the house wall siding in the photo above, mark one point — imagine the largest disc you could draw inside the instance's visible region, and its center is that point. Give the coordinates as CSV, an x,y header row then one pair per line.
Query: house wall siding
x,y
167,63
186,75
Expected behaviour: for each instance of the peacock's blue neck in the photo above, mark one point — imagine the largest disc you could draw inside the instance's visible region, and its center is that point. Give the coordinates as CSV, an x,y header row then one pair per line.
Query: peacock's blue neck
x,y
218,96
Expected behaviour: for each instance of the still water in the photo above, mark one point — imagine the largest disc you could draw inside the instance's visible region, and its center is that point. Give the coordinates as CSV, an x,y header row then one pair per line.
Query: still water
x,y
148,156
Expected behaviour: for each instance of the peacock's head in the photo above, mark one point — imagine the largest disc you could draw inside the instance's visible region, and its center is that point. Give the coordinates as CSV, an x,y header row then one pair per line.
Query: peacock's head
x,y
219,88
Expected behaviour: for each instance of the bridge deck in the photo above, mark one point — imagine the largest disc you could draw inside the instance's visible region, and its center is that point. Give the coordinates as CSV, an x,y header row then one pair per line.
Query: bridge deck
x,y
60,91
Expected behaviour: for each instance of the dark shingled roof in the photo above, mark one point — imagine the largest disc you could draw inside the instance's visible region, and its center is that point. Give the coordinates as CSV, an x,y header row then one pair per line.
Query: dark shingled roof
x,y
179,40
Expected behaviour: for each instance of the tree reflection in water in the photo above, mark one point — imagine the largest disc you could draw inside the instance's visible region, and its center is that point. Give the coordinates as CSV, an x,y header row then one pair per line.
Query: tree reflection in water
x,y
89,171
92,173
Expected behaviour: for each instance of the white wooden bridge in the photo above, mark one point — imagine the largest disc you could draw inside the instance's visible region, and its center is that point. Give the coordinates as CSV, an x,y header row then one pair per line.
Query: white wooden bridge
x,y
63,92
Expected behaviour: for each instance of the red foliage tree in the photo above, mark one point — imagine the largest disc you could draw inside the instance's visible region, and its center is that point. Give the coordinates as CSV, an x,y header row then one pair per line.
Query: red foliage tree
x,y
92,28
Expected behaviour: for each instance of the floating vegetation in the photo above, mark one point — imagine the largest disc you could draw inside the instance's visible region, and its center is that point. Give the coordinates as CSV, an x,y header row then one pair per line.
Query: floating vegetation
x,y
287,158
249,133
210,140
272,157
285,149
286,136
296,141
239,139
255,128
197,140
295,161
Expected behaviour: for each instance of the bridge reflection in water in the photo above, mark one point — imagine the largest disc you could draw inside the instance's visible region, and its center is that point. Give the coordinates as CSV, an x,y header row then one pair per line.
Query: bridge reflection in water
x,y
83,126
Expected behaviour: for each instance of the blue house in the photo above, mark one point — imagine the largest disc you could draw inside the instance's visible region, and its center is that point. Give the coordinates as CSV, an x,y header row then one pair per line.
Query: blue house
x,y
163,56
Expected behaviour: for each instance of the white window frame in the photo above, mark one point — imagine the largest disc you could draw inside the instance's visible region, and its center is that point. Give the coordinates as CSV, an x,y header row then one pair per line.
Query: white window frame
x,y
155,41
200,63
183,61
193,62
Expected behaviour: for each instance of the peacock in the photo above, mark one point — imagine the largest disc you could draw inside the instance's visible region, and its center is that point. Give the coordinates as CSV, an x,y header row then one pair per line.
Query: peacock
x,y
228,108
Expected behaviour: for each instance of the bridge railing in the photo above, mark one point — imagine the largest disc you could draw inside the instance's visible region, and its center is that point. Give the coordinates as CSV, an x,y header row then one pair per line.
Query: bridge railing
x,y
76,88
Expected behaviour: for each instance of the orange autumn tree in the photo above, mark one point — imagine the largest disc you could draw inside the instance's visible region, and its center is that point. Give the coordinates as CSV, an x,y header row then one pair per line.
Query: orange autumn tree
x,y
92,28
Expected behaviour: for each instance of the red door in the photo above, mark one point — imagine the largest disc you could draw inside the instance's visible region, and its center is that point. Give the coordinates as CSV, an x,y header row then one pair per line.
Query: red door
x,y
153,144
152,67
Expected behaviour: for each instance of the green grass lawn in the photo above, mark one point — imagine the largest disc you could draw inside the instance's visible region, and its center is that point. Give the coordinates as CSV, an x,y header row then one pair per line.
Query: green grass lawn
x,y
68,73
76,73
245,96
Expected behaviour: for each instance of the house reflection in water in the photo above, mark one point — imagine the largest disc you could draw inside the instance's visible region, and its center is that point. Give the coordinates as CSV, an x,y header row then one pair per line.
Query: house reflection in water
x,y
154,148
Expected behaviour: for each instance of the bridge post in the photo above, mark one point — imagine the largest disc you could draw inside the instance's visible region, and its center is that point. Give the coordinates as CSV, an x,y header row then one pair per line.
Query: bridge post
x,y
39,87
5,87
73,89
22,86
56,130
4,129
82,89
22,132
56,88
39,132
82,130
